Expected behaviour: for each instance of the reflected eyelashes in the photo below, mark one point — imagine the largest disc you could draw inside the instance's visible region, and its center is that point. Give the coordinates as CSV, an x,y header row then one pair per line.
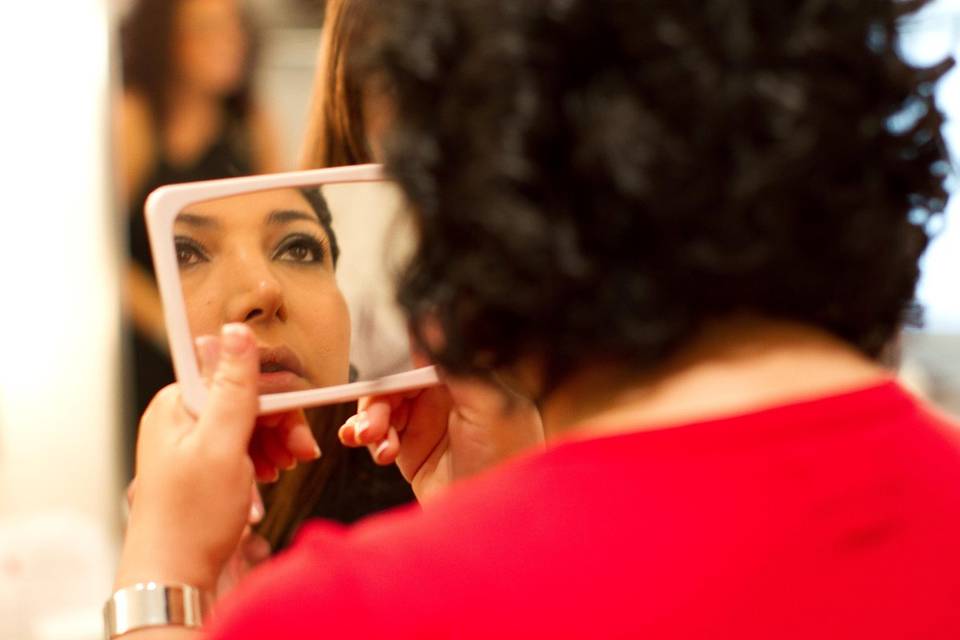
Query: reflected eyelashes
x,y
297,249
301,248
190,252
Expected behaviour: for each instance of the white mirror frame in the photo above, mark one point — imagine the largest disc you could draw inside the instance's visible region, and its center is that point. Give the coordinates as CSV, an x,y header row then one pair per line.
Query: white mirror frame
x,y
162,208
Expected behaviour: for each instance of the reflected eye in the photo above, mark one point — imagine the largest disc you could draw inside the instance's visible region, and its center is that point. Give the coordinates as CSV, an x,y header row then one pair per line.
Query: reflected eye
x,y
301,249
189,252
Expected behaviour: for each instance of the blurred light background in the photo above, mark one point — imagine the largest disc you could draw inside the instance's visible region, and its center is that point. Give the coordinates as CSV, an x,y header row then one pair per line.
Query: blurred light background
x,y
59,335
932,354
61,477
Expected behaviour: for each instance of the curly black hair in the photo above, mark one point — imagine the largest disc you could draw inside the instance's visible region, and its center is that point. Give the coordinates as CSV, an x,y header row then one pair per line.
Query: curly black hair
x,y
599,179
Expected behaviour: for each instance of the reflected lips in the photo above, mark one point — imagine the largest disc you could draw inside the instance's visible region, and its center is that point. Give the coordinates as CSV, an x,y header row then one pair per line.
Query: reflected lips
x,y
280,371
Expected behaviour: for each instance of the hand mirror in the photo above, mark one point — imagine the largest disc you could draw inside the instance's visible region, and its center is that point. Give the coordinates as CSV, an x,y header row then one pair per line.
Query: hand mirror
x,y
307,260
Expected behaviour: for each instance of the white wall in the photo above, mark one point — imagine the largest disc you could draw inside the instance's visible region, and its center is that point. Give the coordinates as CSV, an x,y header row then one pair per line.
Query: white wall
x,y
933,35
59,336
285,85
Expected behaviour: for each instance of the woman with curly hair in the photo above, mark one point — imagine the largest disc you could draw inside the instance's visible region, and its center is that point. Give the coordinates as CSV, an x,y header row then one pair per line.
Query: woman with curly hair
x,y
686,230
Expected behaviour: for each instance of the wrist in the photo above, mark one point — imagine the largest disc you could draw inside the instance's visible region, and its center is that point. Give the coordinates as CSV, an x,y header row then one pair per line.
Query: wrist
x,y
148,557
151,606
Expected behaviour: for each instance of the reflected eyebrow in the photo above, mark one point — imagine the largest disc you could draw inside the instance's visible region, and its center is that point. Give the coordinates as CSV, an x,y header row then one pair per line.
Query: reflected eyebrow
x,y
291,215
197,220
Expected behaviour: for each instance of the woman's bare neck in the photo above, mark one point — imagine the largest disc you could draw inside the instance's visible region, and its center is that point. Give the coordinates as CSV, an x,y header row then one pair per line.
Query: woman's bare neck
x,y
734,368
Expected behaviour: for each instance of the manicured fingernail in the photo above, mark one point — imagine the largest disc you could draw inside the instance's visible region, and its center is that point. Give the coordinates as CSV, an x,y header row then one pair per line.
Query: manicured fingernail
x,y
381,449
361,425
236,338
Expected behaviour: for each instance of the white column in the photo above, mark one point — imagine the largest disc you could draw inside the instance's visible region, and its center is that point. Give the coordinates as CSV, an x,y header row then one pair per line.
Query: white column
x,y
59,235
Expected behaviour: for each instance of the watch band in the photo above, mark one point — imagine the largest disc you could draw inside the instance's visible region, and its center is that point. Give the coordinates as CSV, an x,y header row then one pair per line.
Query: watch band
x,y
153,605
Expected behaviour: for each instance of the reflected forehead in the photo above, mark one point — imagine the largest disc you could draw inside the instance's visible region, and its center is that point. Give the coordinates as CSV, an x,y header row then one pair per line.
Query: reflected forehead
x,y
271,208
277,217
198,220
283,216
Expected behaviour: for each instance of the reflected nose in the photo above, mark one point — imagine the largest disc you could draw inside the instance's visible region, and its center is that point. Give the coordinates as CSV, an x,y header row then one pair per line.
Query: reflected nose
x,y
258,295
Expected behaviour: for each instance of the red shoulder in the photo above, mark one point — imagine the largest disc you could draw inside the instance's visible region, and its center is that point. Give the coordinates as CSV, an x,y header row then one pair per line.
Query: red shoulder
x,y
301,593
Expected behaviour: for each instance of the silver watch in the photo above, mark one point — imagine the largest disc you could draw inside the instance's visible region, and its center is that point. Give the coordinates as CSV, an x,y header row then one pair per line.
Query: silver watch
x,y
153,605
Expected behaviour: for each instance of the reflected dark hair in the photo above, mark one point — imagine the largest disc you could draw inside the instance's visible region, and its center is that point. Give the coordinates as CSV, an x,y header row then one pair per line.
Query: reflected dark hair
x,y
146,48
319,205
601,179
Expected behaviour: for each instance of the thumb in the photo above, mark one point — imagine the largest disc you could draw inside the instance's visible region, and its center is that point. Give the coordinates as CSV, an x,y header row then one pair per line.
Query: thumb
x,y
232,404
208,355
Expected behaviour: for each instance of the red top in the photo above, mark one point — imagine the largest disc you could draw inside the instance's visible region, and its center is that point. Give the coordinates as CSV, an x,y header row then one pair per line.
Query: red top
x,y
833,518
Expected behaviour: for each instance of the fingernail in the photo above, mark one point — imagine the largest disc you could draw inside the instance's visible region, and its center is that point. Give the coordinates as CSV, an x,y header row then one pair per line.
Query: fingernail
x,y
235,338
255,513
361,425
383,447
276,475
316,451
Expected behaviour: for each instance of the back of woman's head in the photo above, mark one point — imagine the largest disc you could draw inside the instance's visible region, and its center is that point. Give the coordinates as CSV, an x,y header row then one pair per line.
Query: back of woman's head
x,y
599,179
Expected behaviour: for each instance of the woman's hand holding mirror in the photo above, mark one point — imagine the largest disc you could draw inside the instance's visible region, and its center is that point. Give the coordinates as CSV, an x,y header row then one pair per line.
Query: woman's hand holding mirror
x,y
444,433
194,474
279,440
251,550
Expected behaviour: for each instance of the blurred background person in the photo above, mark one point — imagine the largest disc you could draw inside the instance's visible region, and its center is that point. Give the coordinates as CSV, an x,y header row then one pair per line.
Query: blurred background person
x,y
187,113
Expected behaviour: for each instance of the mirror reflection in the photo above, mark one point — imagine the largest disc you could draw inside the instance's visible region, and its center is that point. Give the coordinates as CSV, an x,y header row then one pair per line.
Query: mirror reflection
x,y
310,270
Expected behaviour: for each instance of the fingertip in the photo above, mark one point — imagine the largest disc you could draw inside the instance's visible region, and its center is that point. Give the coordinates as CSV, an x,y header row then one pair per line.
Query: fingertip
x,y
257,509
361,426
236,338
256,514
208,354
346,436
385,452
381,450
302,444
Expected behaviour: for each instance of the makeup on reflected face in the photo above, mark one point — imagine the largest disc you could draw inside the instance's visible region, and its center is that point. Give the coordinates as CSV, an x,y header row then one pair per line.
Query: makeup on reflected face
x,y
264,259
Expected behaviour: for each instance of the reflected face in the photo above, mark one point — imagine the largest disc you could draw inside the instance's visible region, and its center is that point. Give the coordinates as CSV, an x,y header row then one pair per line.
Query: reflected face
x,y
211,45
264,259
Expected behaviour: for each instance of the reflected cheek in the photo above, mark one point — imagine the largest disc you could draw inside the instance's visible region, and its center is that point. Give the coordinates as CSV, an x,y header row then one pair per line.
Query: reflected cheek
x,y
203,315
325,330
